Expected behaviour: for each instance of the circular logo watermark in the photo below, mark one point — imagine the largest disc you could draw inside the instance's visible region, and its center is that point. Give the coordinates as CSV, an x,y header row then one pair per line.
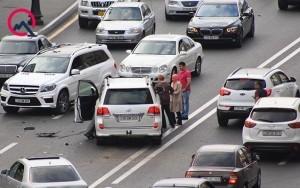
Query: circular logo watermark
x,y
14,30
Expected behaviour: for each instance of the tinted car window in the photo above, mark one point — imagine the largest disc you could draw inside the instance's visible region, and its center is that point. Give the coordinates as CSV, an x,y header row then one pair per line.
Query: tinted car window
x,y
156,48
128,96
242,84
19,173
218,10
47,65
273,115
13,170
100,56
275,80
283,77
53,174
224,159
18,47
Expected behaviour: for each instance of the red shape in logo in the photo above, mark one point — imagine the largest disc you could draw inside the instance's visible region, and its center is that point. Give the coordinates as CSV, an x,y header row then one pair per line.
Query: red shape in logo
x,y
12,14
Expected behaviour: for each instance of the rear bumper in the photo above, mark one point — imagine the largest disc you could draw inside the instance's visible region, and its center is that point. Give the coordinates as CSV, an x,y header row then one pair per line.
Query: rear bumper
x,y
282,147
233,114
130,132
291,2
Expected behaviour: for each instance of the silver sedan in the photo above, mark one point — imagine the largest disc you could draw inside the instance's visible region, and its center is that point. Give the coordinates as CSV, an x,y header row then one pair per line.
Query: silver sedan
x,y
126,22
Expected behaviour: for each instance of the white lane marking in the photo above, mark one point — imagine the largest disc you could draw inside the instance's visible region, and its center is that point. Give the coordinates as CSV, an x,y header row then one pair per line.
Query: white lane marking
x,y
166,145
63,28
216,97
57,117
286,58
8,147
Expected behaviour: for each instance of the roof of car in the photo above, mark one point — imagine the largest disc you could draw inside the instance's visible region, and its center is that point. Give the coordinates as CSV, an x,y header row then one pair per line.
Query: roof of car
x,y
20,38
250,73
167,37
127,4
121,83
277,102
179,182
218,148
47,161
220,1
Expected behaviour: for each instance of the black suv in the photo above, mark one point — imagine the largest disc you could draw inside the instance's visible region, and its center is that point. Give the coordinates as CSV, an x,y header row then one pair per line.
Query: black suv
x,y
284,4
16,50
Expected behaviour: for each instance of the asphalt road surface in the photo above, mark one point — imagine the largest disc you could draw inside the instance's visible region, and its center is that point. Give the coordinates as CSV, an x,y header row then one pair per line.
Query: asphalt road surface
x,y
131,163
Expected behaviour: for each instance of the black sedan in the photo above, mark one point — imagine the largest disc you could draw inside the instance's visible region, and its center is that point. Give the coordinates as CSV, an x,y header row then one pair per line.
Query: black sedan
x,y
222,21
231,166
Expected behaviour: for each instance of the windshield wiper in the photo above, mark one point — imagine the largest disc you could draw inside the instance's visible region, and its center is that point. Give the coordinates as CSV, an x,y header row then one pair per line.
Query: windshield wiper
x,y
266,120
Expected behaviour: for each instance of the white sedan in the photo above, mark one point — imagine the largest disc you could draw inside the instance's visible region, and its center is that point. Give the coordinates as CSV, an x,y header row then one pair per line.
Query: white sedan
x,y
161,54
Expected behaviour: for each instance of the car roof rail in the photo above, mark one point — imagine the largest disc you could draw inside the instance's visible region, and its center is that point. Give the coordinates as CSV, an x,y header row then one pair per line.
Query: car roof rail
x,y
235,71
84,47
37,158
53,47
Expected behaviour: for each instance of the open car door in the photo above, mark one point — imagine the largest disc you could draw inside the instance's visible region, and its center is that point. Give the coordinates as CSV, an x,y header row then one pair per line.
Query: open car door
x,y
87,94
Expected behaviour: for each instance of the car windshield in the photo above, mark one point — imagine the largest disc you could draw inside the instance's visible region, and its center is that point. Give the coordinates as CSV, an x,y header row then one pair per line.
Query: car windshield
x,y
47,65
243,84
128,96
221,159
218,10
18,47
123,14
45,174
273,114
156,48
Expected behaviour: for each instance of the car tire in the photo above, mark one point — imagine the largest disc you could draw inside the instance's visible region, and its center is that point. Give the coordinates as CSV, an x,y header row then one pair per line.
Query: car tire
x,y
83,22
252,31
258,183
153,30
282,5
168,17
174,71
198,69
157,140
11,109
239,40
62,103
100,141
223,122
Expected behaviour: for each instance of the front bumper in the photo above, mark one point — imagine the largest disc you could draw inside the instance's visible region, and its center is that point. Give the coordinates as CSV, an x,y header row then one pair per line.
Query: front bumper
x,y
179,10
133,38
91,13
224,38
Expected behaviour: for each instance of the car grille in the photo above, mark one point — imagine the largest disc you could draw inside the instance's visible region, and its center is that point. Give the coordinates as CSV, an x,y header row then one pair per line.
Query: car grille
x,y
141,70
102,4
189,3
116,31
23,90
215,32
33,101
10,69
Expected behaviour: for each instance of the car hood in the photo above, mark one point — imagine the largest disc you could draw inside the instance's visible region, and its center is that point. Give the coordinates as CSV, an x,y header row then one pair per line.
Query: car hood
x,y
119,25
211,22
141,60
13,59
37,79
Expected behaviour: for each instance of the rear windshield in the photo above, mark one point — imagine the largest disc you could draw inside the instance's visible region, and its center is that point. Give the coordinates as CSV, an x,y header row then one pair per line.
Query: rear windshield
x,y
46,174
128,96
222,159
273,115
243,84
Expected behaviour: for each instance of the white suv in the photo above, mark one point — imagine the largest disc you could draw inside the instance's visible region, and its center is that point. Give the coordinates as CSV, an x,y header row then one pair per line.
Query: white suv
x,y
94,10
127,107
273,124
49,79
236,96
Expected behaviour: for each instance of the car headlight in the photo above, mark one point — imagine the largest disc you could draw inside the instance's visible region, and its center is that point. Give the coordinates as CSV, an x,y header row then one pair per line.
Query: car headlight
x,y
192,30
163,68
173,2
232,29
136,30
49,87
128,69
5,86
100,30
84,3
154,69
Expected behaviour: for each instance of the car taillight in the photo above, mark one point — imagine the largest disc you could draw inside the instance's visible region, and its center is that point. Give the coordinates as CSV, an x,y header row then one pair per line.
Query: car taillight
x,y
224,92
155,125
153,110
101,126
233,178
249,124
188,174
103,111
269,92
295,125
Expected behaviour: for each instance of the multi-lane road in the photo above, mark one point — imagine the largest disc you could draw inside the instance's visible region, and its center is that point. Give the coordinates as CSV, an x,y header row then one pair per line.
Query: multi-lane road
x,y
135,163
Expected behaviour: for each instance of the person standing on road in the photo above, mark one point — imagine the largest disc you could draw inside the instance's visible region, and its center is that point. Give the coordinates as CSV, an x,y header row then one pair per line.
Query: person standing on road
x,y
260,91
164,91
185,80
176,99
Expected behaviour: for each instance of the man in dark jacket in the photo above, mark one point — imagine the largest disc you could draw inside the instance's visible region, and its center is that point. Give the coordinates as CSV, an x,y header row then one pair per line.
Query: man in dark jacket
x,y
260,91
164,91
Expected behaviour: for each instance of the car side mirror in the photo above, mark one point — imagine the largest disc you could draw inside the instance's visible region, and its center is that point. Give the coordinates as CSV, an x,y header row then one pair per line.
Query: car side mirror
x,y
192,14
292,79
182,52
75,72
20,69
4,171
128,51
53,44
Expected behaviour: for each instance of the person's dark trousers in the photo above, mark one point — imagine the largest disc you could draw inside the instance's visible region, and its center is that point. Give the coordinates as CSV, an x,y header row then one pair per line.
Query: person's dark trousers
x,y
166,108
179,119
90,130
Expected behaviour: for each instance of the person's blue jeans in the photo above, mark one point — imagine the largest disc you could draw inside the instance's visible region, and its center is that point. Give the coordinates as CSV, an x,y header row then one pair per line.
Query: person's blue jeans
x,y
185,103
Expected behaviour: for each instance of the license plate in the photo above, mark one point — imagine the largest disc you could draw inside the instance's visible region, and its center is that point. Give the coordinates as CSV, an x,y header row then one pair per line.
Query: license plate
x,y
116,37
241,108
22,100
212,179
6,75
101,13
211,37
190,9
138,75
128,118
271,133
